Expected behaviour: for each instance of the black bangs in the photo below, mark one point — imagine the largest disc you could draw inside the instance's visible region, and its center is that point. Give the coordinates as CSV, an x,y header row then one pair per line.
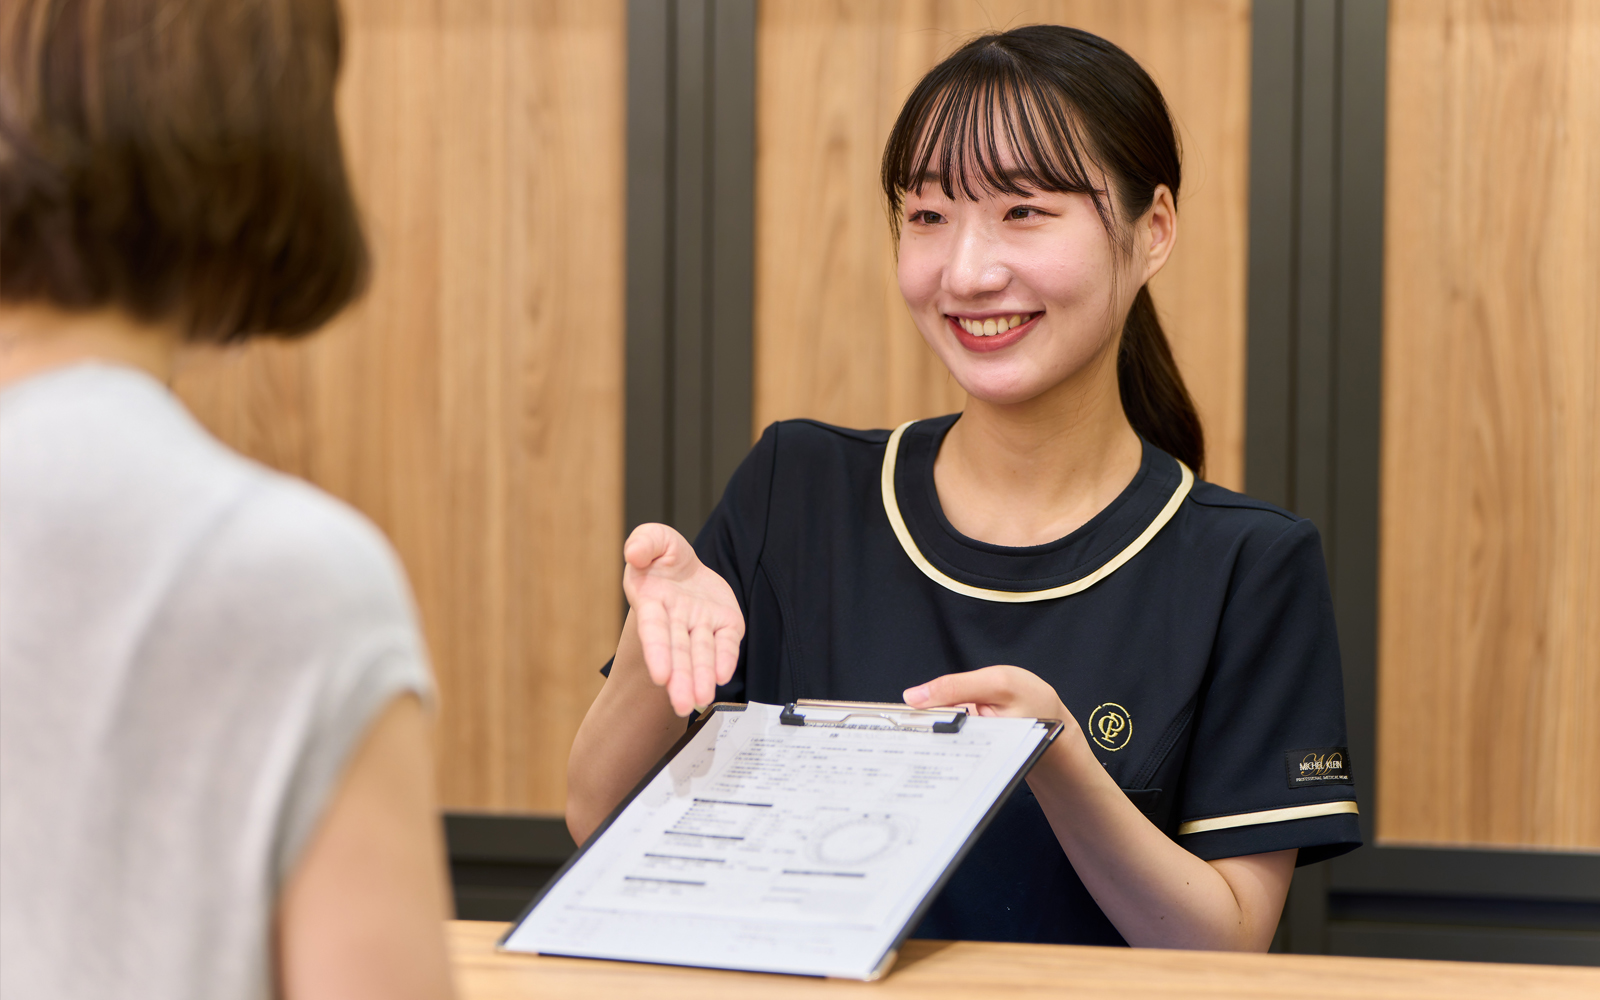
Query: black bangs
x,y
990,129
1062,105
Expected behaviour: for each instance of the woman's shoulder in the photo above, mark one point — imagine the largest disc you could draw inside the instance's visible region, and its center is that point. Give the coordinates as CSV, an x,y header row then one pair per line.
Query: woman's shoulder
x,y
1244,527
804,437
303,553
1221,502
110,453
1240,522
802,466
809,450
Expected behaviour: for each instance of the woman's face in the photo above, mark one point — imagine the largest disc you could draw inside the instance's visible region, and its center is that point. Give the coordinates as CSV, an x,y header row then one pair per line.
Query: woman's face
x,y
1018,295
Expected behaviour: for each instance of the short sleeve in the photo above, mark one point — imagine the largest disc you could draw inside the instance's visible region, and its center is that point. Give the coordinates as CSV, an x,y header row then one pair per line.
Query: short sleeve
x,y
1269,768
348,704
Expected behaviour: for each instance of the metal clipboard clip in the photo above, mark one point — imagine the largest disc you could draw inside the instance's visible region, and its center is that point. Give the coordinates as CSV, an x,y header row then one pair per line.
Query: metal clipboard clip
x,y
872,715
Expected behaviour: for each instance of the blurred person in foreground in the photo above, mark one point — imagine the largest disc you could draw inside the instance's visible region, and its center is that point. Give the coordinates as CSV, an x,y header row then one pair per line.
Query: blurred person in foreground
x,y
215,778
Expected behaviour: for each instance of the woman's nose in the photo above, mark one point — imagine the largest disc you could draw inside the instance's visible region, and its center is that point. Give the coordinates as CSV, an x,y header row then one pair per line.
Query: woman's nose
x,y
974,268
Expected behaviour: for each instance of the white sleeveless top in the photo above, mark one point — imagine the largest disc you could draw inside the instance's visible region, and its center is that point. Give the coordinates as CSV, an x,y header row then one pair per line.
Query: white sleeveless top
x,y
191,646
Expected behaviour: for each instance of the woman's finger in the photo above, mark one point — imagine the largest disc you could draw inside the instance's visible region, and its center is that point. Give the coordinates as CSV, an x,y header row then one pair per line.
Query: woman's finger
x,y
680,687
987,686
727,639
655,638
704,657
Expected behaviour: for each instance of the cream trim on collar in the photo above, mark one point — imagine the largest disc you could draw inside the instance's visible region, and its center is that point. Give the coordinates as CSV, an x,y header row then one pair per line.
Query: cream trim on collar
x,y
891,507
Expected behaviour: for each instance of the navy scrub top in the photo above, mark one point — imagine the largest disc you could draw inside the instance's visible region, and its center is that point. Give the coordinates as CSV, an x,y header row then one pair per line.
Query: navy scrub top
x,y
1188,629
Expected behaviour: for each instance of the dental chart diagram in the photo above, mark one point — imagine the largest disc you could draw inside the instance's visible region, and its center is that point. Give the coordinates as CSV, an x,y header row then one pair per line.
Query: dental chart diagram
x,y
803,840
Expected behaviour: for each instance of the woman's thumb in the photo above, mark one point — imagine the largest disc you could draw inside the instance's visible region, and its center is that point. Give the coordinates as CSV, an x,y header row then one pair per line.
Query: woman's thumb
x,y
649,543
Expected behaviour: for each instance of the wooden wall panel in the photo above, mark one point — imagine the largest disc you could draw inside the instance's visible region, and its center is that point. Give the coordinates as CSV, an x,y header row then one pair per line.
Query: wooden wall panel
x,y
1489,672
472,404
833,339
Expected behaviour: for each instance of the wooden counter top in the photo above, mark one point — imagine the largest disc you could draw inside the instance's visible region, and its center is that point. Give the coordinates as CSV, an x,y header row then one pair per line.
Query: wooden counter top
x,y
965,969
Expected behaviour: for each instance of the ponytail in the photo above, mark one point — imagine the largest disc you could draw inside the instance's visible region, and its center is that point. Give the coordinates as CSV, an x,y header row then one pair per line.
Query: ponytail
x,y
1153,394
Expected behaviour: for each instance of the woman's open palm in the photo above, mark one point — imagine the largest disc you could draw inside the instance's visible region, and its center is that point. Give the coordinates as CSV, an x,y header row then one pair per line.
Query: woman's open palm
x,y
689,621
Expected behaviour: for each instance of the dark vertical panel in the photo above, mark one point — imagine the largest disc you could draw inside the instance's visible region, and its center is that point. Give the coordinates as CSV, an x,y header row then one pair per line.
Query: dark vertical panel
x,y
1294,238
691,235
1316,277
1269,377
647,465
689,262
733,177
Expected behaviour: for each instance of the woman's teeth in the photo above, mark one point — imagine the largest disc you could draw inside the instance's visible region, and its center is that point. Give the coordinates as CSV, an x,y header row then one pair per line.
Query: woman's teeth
x,y
990,327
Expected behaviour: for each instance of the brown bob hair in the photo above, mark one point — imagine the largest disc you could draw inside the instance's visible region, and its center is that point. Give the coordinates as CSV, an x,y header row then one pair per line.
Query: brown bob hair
x,y
1066,102
177,159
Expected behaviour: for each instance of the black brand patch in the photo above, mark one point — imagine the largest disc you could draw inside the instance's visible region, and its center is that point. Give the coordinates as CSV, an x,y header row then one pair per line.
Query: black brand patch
x,y
1317,766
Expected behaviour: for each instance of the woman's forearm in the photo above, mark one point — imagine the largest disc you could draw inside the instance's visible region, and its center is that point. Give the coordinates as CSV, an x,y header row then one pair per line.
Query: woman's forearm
x,y
1156,893
627,729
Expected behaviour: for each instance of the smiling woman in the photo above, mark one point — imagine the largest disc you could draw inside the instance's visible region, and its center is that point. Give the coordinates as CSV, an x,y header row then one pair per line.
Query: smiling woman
x,y
1047,552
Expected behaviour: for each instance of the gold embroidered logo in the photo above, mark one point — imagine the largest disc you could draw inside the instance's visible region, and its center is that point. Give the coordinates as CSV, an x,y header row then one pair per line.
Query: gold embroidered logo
x,y
1110,726
1317,766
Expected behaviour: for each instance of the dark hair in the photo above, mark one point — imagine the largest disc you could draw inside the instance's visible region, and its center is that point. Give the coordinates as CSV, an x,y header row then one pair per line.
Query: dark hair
x,y
178,159
1067,103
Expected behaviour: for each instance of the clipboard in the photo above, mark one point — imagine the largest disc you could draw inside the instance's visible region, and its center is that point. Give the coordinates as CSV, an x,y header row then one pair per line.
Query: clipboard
x,y
616,899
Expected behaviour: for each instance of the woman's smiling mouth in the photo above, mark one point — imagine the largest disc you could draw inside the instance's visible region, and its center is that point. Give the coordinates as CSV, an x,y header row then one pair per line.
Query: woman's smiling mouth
x,y
991,333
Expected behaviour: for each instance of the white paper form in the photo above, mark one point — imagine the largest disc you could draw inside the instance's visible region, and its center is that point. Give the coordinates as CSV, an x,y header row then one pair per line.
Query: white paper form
x,y
780,848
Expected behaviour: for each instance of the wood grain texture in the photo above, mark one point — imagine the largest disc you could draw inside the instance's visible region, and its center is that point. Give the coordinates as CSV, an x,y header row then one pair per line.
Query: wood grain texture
x,y
833,338
1489,673
930,970
471,405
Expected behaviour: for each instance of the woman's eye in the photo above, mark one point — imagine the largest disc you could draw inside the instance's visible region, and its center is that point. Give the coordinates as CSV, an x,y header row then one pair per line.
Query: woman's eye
x,y
1023,212
926,217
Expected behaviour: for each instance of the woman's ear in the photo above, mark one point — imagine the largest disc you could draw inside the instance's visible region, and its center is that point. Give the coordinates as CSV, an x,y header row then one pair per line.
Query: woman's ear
x,y
1158,231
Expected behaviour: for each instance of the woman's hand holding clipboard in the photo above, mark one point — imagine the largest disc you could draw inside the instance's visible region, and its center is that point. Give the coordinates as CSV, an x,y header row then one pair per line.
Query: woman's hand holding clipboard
x,y
997,691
